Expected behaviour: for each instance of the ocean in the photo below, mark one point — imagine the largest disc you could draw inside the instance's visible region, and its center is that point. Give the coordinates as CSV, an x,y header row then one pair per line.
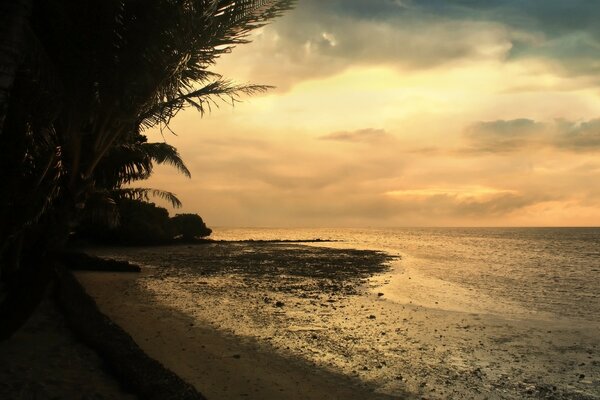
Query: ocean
x,y
469,313
552,271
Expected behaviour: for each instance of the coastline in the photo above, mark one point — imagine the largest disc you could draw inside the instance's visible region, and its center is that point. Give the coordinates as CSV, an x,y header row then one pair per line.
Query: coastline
x,y
219,365
235,326
347,327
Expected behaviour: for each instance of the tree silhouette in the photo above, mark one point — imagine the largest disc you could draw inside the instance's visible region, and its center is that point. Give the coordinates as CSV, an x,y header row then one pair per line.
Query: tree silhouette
x,y
190,226
80,83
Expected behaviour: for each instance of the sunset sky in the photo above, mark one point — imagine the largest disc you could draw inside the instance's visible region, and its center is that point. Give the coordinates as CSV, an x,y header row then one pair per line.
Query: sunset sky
x,y
404,113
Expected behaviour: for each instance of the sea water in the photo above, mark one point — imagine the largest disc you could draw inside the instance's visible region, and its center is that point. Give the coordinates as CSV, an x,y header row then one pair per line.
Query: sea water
x,y
470,313
535,272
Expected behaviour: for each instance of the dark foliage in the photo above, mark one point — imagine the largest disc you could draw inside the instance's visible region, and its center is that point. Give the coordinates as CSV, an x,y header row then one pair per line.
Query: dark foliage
x,y
79,84
143,224
190,226
140,223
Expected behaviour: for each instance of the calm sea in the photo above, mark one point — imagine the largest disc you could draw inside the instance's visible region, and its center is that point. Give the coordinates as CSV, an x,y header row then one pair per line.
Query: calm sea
x,y
544,272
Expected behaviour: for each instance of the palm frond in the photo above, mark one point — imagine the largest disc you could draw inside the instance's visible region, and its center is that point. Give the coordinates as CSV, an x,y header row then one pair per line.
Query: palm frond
x,y
130,162
101,208
144,194
201,99
163,153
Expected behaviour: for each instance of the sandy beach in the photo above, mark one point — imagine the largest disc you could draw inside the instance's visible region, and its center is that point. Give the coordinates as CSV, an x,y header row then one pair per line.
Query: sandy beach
x,y
245,325
245,331
219,365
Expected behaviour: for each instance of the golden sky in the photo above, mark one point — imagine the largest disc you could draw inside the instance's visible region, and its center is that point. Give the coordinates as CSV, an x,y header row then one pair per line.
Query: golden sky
x,y
403,113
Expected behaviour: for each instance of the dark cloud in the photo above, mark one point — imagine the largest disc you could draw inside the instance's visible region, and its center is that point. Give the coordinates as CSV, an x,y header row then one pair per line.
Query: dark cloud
x,y
359,208
504,136
368,135
498,205
563,32
580,137
320,38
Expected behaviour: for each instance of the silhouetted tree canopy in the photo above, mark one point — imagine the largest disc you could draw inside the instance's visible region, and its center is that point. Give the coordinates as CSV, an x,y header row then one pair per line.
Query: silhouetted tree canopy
x,y
190,226
80,82
140,223
143,223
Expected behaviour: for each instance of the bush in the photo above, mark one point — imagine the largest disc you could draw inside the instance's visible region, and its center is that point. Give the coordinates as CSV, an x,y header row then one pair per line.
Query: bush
x,y
189,226
143,223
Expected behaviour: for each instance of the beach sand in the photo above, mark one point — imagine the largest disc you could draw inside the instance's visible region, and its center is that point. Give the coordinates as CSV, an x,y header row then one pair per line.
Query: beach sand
x,y
268,321
218,365
263,321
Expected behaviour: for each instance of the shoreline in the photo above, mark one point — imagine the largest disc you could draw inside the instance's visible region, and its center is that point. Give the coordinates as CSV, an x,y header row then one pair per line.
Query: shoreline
x,y
235,325
219,365
346,327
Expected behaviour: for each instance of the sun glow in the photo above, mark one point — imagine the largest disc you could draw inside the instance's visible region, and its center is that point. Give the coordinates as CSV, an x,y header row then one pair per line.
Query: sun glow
x,y
383,125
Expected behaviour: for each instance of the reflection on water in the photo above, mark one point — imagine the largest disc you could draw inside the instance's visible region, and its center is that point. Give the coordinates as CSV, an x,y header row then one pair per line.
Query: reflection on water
x,y
475,313
551,270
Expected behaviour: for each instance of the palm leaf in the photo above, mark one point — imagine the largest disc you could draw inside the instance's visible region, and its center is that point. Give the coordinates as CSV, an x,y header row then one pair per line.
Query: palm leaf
x,y
135,161
144,194
163,153
101,208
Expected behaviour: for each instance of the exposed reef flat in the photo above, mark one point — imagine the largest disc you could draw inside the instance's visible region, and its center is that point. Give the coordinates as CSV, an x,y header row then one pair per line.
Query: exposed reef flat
x,y
264,320
324,312
221,364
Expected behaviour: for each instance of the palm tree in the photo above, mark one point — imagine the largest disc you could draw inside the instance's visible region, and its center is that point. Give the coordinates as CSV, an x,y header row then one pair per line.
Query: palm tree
x,y
123,165
95,75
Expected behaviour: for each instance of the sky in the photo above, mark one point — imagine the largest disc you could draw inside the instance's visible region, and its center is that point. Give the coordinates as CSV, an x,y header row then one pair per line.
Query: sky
x,y
390,113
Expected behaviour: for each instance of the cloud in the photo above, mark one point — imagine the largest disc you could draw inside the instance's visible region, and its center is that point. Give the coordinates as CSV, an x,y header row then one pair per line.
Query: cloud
x,y
461,201
565,33
302,182
368,135
322,38
504,136
580,137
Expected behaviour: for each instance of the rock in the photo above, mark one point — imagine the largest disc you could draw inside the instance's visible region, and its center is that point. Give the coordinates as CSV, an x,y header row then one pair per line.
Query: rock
x,y
279,303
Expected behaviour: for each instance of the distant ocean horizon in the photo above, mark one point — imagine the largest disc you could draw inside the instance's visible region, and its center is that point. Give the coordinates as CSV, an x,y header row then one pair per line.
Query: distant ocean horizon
x,y
460,312
300,227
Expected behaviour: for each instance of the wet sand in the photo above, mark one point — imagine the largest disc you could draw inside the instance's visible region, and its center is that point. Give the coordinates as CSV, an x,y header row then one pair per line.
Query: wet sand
x,y
238,322
218,364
